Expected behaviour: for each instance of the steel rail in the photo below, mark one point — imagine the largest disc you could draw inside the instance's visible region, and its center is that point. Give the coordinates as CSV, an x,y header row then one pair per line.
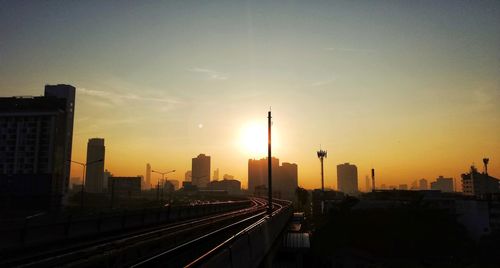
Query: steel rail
x,y
137,236
231,239
264,215
177,248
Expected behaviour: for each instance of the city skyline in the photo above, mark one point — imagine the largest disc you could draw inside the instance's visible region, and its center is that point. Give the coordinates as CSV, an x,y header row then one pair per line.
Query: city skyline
x,y
242,180
410,90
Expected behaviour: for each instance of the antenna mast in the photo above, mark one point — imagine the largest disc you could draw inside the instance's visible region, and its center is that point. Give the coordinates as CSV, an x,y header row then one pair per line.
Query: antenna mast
x,y
485,162
321,155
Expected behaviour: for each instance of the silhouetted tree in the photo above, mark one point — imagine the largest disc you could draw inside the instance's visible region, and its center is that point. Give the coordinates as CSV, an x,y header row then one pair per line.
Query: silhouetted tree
x,y
302,196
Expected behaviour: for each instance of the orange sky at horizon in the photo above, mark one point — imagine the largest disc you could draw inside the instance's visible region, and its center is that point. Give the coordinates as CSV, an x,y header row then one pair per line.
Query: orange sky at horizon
x,y
398,168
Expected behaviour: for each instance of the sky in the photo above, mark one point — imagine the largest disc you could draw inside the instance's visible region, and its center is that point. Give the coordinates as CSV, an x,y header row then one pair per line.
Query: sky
x,y
410,88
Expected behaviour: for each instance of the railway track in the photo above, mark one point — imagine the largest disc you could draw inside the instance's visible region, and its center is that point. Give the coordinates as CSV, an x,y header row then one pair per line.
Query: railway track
x,y
124,250
195,252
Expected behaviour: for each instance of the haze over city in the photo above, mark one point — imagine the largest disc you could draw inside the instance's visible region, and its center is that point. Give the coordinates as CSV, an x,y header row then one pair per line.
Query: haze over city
x,y
411,89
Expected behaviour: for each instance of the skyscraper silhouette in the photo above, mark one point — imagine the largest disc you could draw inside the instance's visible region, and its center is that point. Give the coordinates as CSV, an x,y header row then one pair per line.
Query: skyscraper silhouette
x,y
347,178
94,181
216,174
257,172
285,177
201,170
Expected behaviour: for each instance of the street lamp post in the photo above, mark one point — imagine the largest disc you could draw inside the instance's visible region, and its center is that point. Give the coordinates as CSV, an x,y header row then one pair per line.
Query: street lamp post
x,y
84,167
162,181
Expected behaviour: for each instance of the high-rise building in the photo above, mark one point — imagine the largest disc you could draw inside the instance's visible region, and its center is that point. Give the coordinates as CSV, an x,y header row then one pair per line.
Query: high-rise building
x,y
423,185
368,186
479,184
442,184
285,177
347,178
216,174
201,170
148,177
228,177
188,175
258,174
36,136
94,181
287,180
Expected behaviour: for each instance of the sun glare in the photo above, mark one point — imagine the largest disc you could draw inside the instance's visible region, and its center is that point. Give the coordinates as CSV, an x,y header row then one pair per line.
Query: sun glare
x,y
253,139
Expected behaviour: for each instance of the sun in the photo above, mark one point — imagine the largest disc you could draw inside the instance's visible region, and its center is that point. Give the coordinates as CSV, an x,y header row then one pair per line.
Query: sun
x,y
253,139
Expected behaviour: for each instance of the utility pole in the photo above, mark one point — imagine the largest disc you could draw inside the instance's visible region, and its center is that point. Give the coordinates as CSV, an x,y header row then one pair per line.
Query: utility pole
x,y
269,164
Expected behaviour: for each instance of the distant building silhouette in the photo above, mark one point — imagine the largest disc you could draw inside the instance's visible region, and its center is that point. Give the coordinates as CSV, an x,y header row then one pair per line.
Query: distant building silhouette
x,y
201,170
423,185
94,181
188,175
216,174
285,177
174,183
228,177
168,186
403,187
230,186
148,177
479,184
125,186
347,178
442,184
36,136
414,185
287,181
368,186
257,172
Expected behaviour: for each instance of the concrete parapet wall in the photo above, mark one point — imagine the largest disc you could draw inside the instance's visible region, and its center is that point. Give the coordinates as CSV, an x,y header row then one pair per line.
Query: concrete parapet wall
x,y
250,249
